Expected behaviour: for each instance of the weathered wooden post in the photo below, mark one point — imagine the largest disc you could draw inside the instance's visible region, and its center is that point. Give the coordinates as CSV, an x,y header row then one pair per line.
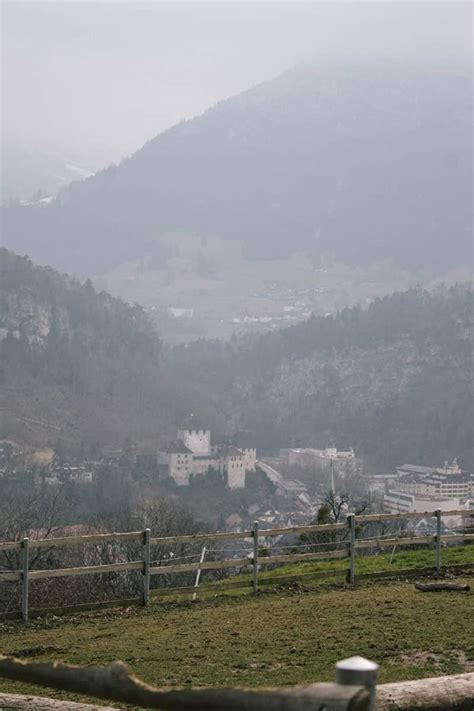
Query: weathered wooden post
x,y
146,567
358,671
255,556
351,525
438,540
198,572
24,579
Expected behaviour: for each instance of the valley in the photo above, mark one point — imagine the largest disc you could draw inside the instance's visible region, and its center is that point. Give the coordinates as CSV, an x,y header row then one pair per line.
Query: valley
x,y
209,290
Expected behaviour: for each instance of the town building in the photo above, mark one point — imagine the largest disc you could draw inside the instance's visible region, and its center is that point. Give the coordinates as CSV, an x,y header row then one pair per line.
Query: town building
x,y
62,473
418,489
192,454
449,481
308,456
399,502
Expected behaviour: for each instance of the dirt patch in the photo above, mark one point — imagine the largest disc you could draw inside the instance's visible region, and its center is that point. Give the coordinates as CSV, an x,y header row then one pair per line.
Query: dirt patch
x,y
37,651
435,660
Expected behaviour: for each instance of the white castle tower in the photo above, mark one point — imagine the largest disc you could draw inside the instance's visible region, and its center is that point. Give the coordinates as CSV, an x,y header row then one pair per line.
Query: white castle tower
x,y
198,441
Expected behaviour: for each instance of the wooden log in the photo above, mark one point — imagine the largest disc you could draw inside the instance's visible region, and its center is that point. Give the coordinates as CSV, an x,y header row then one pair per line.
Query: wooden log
x,y
115,683
8,702
301,557
436,694
369,518
10,546
72,609
201,538
441,587
316,528
206,565
374,518
157,593
86,570
388,542
10,577
89,538
463,538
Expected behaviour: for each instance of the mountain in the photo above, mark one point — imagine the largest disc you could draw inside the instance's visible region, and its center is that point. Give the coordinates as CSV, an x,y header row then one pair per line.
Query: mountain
x,y
393,380
363,162
31,174
79,366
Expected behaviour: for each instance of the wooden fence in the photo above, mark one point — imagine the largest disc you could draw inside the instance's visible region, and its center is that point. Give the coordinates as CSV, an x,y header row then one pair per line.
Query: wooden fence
x,y
355,689
255,560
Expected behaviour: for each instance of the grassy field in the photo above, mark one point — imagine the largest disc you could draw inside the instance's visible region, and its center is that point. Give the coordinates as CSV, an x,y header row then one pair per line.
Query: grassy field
x,y
384,562
279,637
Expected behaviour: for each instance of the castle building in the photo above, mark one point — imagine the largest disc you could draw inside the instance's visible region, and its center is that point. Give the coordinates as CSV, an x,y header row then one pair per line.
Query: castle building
x,y
198,441
193,455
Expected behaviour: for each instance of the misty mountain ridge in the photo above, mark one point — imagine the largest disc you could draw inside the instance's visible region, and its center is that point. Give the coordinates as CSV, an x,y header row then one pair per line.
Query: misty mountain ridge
x,y
362,163
31,174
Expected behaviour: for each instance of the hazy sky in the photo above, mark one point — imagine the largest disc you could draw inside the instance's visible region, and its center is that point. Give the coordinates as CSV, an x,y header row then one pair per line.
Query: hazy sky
x,y
100,78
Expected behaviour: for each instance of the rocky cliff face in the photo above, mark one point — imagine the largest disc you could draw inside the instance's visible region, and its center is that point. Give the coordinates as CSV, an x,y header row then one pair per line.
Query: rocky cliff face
x,y
23,317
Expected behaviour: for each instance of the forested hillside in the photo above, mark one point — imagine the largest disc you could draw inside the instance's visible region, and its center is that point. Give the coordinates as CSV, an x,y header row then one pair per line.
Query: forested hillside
x,y
364,163
77,365
393,380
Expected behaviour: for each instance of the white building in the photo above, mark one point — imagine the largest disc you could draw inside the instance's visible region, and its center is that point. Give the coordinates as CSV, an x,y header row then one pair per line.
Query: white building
x,y
193,455
420,489
198,441
402,502
399,502
308,456
445,482
178,461
233,464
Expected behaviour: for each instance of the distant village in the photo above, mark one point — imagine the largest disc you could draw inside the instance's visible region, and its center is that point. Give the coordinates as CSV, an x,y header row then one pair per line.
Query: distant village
x,y
292,474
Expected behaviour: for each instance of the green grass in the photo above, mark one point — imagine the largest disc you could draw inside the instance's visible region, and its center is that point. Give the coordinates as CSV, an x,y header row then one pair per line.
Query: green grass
x,y
403,559
274,638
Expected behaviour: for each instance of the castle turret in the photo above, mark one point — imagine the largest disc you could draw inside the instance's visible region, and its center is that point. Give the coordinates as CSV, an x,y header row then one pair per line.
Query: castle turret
x,y
197,440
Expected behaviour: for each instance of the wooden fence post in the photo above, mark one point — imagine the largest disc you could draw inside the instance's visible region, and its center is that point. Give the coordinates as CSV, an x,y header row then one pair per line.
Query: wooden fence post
x,y
255,556
438,540
351,523
24,579
146,568
358,671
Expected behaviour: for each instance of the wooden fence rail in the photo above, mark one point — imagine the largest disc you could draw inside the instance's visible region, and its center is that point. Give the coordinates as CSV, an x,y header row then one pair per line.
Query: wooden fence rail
x,y
255,560
355,689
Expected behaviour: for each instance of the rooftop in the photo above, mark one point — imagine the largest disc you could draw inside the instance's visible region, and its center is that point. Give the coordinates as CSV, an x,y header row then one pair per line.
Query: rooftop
x,y
177,447
229,451
416,468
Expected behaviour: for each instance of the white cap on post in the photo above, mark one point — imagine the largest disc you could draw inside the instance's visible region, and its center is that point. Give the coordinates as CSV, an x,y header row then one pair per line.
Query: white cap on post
x,y
358,671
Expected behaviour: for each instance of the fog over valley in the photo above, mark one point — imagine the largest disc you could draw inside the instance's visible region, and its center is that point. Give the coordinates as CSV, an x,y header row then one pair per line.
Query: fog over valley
x,y
236,365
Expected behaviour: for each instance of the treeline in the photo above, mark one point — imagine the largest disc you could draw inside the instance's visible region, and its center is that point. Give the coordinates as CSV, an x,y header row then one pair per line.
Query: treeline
x,y
72,510
393,380
83,365
54,326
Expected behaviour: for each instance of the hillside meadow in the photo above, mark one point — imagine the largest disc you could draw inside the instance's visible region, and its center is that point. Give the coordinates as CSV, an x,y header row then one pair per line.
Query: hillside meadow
x,y
280,637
